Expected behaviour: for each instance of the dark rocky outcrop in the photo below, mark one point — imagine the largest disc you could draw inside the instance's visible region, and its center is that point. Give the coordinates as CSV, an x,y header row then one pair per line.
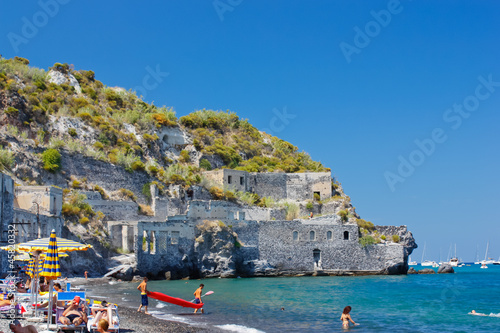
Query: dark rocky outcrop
x,y
445,268
412,271
426,271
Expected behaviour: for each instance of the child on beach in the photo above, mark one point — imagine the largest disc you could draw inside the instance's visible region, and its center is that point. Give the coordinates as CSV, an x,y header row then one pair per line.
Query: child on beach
x,y
144,295
346,317
197,295
102,326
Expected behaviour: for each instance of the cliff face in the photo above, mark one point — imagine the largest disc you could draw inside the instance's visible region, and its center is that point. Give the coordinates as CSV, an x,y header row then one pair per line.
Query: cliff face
x,y
109,141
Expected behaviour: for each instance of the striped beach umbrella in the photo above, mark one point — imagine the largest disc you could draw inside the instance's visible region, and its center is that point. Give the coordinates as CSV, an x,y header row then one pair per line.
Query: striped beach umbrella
x,y
40,265
30,270
63,245
22,257
51,269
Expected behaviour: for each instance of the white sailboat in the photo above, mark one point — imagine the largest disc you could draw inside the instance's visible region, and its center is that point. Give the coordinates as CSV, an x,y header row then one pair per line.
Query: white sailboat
x,y
427,262
411,263
486,261
454,262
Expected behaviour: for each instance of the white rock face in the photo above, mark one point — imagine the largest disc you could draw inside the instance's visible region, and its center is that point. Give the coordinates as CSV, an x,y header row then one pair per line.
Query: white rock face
x,y
129,129
61,125
173,136
60,78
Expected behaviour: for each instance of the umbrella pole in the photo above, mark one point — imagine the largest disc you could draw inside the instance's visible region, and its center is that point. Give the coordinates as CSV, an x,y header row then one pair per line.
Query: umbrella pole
x,y
49,312
36,283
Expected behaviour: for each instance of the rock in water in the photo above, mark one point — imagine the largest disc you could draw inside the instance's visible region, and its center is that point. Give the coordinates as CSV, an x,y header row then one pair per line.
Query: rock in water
x,y
412,271
445,268
426,271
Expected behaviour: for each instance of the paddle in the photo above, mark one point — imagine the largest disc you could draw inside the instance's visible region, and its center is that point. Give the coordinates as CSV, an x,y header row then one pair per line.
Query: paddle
x,y
206,294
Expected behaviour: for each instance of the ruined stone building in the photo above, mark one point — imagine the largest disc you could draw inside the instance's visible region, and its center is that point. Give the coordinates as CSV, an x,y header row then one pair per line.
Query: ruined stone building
x,y
29,212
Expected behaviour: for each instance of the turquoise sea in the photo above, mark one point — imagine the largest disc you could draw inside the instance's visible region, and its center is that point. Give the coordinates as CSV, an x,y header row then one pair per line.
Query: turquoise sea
x,y
412,303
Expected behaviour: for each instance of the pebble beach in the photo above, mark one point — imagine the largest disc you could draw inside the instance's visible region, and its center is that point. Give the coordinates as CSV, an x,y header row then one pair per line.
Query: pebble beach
x,y
130,319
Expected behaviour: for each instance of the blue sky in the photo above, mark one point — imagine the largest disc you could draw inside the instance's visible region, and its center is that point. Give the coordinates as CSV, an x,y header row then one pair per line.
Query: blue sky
x,y
356,84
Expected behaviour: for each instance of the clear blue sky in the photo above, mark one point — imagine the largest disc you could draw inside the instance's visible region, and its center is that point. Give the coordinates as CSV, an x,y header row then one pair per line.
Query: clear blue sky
x,y
355,83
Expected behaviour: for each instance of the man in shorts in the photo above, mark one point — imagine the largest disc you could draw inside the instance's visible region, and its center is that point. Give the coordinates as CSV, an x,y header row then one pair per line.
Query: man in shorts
x,y
72,315
144,295
197,295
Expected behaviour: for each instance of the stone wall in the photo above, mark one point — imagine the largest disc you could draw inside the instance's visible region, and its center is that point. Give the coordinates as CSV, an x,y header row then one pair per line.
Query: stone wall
x,y
291,186
234,180
6,215
44,199
164,246
109,176
226,211
268,185
320,245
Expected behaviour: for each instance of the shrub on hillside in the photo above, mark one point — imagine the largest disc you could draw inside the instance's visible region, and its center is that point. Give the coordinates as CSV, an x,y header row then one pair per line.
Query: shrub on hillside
x,y
11,111
366,240
184,156
217,193
51,159
205,164
365,224
292,211
6,159
128,194
72,132
395,238
344,215
138,166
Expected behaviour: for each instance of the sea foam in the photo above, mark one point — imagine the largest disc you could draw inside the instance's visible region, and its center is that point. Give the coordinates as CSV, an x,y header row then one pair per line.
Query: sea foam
x,y
239,328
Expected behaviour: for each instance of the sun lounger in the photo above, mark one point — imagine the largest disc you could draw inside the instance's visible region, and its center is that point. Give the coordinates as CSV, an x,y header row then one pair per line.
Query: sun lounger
x,y
69,296
114,324
9,312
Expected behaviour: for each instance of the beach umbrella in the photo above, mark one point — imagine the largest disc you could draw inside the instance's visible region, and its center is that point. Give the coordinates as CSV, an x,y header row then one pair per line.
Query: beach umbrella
x,y
51,269
22,257
63,245
30,270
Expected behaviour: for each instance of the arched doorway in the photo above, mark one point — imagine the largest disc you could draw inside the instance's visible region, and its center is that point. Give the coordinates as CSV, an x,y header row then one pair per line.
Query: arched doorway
x,y
317,258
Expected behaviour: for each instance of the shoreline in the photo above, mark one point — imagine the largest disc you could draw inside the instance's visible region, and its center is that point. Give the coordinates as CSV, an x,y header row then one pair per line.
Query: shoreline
x,y
133,321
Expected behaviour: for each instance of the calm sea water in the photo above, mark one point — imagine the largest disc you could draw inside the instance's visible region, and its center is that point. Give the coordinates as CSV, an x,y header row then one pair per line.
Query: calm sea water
x,y
413,303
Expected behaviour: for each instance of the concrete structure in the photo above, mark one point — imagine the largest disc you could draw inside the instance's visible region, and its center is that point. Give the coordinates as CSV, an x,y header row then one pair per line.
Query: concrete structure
x,y
291,246
291,186
27,213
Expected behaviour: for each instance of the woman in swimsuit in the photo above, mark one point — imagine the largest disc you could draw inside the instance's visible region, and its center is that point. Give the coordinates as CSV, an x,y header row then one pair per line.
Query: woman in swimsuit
x,y
346,317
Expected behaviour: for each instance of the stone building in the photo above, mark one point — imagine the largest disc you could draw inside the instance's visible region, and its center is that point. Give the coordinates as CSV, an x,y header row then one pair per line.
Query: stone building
x,y
28,212
323,244
290,186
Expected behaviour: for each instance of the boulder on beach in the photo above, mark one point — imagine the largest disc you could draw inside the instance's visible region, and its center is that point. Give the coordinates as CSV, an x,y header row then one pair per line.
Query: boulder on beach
x,y
445,268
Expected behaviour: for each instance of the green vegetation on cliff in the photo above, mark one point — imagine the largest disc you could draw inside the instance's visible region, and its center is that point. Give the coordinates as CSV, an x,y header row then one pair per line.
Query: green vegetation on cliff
x,y
117,126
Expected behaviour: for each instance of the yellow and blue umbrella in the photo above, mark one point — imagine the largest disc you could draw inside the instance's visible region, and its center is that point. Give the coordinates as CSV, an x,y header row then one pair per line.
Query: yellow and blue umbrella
x,y
51,269
31,264
63,245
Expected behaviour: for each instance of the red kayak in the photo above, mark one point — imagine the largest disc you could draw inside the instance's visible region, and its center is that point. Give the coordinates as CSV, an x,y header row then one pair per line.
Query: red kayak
x,y
174,300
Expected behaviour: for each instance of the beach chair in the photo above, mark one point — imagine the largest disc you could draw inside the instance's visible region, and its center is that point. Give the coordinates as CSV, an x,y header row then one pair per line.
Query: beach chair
x,y
114,323
69,296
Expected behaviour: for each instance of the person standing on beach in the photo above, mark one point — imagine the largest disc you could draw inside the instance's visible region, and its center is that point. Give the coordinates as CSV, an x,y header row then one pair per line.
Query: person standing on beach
x,y
86,274
144,295
197,297
346,317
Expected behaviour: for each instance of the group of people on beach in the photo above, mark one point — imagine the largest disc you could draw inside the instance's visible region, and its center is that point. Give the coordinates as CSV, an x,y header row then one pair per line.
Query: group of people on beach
x,y
142,287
